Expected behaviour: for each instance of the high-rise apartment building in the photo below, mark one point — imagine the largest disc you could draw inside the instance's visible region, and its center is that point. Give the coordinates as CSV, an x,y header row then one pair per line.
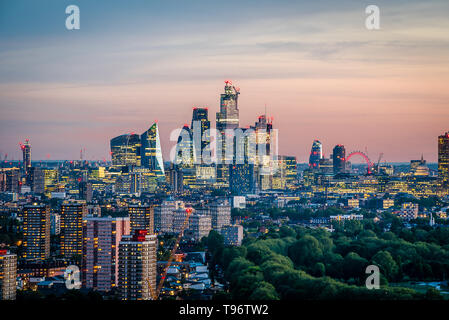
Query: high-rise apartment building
x,y
181,222
141,218
199,226
72,218
232,235
443,158
101,251
137,266
164,214
36,232
220,213
8,274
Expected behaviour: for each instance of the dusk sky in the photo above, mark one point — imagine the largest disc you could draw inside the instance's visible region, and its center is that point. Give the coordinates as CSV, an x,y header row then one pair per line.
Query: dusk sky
x,y
319,71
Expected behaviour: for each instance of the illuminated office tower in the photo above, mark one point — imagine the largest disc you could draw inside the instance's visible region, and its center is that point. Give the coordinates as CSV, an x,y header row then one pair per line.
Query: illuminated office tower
x,y
151,152
326,167
101,251
185,157
291,172
226,118
141,218
72,218
85,191
125,150
339,159
50,178
242,179
200,133
12,180
137,266
263,130
36,232
26,152
176,179
36,179
315,154
2,181
220,212
8,274
285,174
164,213
443,158
199,226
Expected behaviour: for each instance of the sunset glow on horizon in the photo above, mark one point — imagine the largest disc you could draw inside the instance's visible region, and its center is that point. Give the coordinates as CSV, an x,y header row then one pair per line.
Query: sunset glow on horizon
x,y
314,67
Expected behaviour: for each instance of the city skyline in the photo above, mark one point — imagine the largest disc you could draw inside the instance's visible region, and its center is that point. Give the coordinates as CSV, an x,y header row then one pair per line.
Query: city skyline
x,y
334,81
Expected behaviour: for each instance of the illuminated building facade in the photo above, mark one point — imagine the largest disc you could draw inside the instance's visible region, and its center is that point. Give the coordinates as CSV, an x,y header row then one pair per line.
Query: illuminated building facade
x,y
242,179
85,191
226,119
12,177
201,133
141,218
316,154
137,266
443,158
72,218
176,179
285,175
164,214
101,251
199,226
151,152
339,159
232,235
26,153
36,232
220,212
125,150
8,274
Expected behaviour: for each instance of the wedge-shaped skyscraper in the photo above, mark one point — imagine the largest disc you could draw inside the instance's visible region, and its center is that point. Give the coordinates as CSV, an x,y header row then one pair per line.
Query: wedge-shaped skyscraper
x,y
151,151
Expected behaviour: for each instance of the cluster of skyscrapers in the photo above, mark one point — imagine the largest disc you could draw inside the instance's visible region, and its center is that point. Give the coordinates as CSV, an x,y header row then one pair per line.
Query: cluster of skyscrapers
x,y
243,160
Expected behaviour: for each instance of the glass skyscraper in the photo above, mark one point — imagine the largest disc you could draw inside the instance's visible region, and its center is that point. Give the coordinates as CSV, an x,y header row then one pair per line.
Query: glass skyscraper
x,y
443,157
226,118
315,154
125,150
339,159
151,152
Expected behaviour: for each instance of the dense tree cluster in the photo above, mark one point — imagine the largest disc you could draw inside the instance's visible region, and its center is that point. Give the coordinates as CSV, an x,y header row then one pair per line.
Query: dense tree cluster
x,y
305,263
